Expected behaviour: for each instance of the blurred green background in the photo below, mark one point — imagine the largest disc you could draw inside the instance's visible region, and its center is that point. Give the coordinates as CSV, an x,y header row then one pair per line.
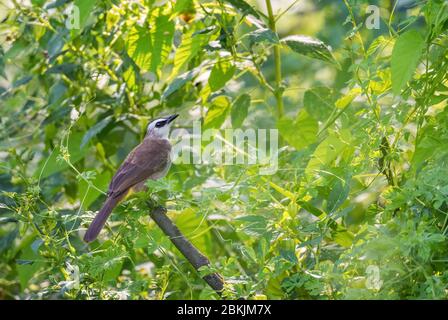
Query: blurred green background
x,y
356,210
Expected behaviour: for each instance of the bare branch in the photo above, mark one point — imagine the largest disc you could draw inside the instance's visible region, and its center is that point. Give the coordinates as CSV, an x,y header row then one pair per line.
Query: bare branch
x,y
188,250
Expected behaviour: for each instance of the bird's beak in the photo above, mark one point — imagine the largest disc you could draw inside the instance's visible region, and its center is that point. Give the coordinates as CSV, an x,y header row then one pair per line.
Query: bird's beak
x,y
171,118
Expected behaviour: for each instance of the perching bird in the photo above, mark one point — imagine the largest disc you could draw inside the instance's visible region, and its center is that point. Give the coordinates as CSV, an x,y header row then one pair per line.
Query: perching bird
x,y
149,160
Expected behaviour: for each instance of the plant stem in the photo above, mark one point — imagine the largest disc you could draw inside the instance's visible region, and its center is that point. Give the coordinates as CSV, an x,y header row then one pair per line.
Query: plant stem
x,y
278,63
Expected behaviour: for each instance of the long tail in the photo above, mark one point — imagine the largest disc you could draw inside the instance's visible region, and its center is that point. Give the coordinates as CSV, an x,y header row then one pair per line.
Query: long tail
x,y
101,218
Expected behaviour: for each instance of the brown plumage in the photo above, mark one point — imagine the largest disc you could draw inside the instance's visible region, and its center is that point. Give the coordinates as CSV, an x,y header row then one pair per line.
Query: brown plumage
x,y
149,160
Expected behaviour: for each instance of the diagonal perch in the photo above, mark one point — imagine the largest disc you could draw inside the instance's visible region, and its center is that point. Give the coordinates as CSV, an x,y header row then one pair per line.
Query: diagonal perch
x,y
188,250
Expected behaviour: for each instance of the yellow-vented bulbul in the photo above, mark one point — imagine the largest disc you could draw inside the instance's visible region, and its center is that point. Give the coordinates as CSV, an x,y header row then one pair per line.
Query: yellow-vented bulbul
x,y
149,160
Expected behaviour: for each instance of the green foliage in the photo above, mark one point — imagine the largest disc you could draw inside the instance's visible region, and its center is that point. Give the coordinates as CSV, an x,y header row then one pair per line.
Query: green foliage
x,y
357,209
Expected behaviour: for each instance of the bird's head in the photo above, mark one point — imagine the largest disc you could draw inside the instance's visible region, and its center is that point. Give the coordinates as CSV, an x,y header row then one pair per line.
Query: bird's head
x,y
160,128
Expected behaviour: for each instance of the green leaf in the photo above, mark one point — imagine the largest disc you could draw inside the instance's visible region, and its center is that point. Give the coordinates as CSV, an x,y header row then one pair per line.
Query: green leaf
x,y
129,77
217,113
221,73
263,35
96,129
244,7
7,241
299,133
405,57
149,47
239,110
310,47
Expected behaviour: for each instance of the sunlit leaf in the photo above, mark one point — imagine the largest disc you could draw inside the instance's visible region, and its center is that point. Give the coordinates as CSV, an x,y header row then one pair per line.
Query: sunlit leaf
x,y
194,227
348,98
162,34
139,47
310,47
405,57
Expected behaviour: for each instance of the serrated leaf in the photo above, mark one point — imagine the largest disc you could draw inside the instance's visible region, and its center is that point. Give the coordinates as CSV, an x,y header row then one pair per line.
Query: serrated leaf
x,y
239,110
162,37
405,57
139,47
310,47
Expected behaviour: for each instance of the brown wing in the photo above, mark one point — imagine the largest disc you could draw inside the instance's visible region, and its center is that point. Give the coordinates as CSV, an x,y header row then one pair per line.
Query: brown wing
x,y
148,158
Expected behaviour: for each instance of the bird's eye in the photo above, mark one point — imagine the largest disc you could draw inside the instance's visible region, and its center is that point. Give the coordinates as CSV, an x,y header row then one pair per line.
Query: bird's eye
x,y
160,124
